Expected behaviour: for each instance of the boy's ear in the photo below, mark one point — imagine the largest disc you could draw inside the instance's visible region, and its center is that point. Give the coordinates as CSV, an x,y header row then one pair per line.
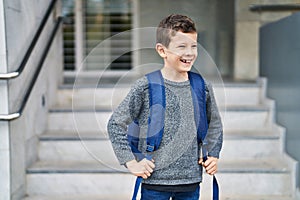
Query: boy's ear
x,y
160,50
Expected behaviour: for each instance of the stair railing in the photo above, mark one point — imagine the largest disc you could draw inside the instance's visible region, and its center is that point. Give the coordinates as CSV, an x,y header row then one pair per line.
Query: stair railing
x,y
15,74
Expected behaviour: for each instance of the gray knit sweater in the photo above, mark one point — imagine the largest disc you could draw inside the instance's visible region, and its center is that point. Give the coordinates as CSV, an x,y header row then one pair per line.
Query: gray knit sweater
x,y
176,160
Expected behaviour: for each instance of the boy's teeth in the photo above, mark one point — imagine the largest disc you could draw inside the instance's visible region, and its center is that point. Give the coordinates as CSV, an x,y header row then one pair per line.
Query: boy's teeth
x,y
185,61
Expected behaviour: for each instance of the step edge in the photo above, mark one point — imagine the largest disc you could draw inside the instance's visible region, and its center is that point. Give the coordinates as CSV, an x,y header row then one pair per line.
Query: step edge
x,y
72,167
230,108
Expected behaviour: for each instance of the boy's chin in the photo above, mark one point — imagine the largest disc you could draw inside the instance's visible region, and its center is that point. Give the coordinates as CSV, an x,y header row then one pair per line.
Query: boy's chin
x,y
186,68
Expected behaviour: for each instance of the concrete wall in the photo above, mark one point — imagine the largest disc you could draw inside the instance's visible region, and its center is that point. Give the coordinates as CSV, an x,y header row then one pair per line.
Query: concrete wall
x,y
214,22
279,51
247,24
4,127
22,19
228,30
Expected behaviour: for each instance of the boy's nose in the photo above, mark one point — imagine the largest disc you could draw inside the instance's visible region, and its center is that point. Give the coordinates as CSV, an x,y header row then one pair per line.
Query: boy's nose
x,y
191,51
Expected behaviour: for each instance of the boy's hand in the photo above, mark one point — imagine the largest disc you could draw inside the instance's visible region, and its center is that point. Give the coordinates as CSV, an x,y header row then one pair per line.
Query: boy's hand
x,y
144,168
210,165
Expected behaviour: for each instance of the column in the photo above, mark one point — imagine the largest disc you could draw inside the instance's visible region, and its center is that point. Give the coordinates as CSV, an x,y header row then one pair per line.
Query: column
x,y
4,125
78,35
246,55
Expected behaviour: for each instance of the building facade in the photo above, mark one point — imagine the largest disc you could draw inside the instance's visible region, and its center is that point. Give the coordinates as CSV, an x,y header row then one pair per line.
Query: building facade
x,y
113,38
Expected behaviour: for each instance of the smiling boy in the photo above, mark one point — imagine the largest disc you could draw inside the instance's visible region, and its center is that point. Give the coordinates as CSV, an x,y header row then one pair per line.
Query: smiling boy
x,y
176,168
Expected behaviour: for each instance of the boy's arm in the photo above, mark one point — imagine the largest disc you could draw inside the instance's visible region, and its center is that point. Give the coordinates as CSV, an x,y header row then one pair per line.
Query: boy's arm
x,y
124,114
214,137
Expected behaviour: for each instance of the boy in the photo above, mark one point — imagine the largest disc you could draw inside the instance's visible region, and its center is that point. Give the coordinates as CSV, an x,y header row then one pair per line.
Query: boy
x,y
175,169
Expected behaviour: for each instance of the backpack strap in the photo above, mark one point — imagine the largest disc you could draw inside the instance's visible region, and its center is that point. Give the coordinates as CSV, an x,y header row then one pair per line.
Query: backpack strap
x,y
157,106
133,137
156,119
199,102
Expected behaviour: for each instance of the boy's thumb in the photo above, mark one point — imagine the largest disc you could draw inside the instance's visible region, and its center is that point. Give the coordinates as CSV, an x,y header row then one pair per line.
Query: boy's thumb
x,y
201,161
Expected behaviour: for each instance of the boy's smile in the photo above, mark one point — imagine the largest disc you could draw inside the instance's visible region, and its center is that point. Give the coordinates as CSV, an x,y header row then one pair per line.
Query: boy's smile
x,y
187,61
181,53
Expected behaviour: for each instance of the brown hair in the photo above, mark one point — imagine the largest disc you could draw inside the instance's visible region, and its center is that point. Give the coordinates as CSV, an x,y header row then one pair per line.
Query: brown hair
x,y
172,24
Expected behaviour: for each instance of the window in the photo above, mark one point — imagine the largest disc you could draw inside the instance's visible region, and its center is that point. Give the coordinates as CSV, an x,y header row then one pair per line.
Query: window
x,y
98,21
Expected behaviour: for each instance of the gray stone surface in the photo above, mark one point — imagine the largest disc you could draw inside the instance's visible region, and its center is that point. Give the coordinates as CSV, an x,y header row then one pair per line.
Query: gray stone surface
x,y
280,51
4,126
242,10
22,19
246,50
246,64
5,173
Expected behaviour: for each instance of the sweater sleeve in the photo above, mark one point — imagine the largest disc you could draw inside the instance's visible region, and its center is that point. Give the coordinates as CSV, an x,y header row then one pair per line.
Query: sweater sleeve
x,y
125,113
214,137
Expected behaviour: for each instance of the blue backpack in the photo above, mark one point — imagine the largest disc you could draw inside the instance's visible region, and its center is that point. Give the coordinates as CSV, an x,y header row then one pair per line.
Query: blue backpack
x,y
157,105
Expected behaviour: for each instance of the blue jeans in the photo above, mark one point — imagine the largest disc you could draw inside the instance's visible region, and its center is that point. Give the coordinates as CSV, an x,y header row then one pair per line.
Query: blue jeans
x,y
157,195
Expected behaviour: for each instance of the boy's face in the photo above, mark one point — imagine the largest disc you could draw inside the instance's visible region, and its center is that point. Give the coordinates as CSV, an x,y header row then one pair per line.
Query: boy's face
x,y
181,52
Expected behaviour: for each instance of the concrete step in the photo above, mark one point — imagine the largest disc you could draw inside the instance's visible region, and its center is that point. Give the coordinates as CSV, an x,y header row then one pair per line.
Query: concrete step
x,y
78,120
240,94
270,165
72,135
257,117
111,95
84,148
88,146
252,144
71,167
241,178
91,97
77,179
81,197
73,179
257,197
251,178
274,133
113,197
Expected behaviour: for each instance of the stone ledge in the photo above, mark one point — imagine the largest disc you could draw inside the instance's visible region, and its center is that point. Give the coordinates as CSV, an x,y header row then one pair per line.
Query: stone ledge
x,y
266,166
70,136
75,167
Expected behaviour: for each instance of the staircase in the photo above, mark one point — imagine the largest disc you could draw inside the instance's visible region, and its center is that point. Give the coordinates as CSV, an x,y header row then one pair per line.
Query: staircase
x,y
75,158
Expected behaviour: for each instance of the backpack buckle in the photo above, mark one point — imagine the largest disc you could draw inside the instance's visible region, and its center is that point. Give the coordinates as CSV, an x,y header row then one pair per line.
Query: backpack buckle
x,y
150,148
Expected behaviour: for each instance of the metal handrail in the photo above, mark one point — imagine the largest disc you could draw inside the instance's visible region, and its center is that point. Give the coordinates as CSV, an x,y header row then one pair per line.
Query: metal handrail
x,y
274,7
9,117
12,116
10,75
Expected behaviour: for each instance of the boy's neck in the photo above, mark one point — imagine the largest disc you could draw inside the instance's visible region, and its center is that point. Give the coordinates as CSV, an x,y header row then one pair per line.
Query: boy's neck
x,y
174,75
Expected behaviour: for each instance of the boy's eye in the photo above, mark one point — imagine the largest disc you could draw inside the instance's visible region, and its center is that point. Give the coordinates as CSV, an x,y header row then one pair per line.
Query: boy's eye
x,y
181,46
194,46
